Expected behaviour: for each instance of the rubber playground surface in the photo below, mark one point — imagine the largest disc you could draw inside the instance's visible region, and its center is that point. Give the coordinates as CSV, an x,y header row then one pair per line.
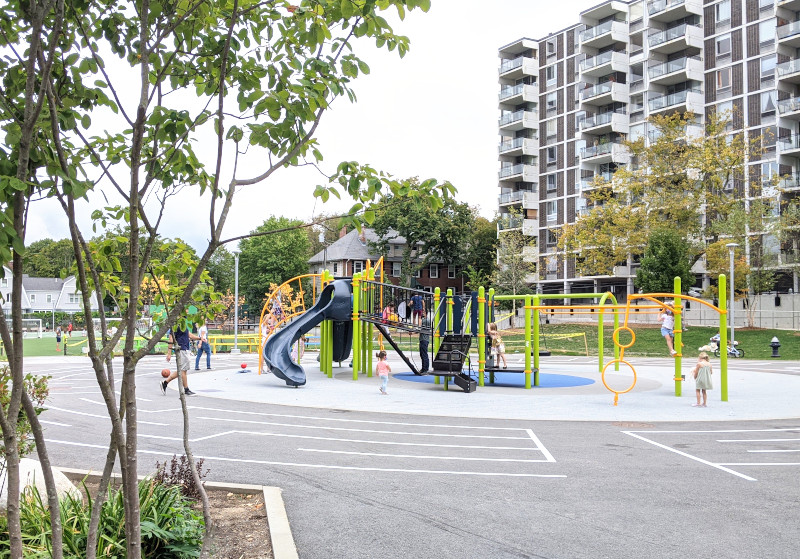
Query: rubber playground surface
x,y
570,389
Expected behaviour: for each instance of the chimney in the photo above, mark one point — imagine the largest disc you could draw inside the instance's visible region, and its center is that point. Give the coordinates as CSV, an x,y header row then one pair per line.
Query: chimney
x,y
343,232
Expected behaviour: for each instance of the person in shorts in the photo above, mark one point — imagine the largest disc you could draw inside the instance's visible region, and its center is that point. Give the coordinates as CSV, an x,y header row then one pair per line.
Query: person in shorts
x,y
183,340
417,309
667,320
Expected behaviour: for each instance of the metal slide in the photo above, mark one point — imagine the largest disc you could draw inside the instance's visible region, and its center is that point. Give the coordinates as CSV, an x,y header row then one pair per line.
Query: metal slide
x,y
335,303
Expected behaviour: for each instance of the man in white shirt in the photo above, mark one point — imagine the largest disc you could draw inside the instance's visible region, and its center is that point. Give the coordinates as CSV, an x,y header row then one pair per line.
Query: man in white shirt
x,y
202,345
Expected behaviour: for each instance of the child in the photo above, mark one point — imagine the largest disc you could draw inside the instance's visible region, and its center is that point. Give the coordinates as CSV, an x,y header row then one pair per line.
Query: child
x,y
667,320
382,369
58,338
702,378
498,347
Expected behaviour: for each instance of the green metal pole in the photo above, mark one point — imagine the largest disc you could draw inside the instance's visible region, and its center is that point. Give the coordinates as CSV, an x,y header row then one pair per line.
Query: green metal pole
x,y
600,335
329,341
481,334
363,307
678,339
437,297
370,326
449,327
723,336
323,336
356,325
537,301
528,342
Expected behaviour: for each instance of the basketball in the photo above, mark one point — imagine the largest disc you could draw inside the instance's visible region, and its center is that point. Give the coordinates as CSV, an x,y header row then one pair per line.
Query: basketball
x,y
165,373
244,365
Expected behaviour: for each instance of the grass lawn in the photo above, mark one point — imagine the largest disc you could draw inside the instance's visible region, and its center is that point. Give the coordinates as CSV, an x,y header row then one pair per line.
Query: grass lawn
x,y
46,346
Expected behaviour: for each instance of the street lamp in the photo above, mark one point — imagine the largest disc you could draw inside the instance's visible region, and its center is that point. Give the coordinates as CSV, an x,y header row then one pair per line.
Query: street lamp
x,y
235,350
324,249
731,248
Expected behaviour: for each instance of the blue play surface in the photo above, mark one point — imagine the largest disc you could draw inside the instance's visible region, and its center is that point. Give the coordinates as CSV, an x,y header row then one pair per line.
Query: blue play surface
x,y
512,380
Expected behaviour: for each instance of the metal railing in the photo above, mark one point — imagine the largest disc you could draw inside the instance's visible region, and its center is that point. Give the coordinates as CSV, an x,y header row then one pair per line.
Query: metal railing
x,y
509,65
789,105
670,100
511,197
786,68
789,30
597,30
657,6
668,35
669,67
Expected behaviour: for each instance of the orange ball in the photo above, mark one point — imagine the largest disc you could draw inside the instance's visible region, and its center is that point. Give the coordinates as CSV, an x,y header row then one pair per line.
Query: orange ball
x,y
244,365
165,373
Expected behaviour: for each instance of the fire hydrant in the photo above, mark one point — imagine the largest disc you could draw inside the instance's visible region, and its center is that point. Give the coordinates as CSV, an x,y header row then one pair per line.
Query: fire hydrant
x,y
775,343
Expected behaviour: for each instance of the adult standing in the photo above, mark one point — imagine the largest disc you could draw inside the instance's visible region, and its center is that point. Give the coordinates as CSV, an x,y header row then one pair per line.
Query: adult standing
x,y
203,346
424,340
183,340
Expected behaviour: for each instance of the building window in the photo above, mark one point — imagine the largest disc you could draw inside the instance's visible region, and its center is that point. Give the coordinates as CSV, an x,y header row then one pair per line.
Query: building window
x,y
74,298
723,45
433,271
551,154
551,127
418,273
395,269
765,4
552,210
551,98
768,68
768,103
358,266
451,272
49,298
766,32
335,267
722,12
33,298
552,239
551,47
550,74
551,183
4,282
723,79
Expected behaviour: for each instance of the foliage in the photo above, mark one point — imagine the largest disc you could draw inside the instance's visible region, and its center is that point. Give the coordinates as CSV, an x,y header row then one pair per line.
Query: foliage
x,y
431,233
170,528
180,474
680,177
273,258
47,258
667,256
227,309
37,389
222,270
481,256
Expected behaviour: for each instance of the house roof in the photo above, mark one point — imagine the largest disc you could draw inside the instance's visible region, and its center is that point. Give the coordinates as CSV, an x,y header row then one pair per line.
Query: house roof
x,y
42,284
351,247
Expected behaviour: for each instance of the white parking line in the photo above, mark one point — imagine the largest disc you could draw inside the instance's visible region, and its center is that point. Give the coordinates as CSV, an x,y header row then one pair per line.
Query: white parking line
x,y
296,426
540,446
756,440
56,423
419,457
695,458
797,450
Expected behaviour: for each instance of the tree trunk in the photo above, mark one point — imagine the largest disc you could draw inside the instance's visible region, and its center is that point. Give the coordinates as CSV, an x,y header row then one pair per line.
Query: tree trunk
x,y
56,539
190,457
100,498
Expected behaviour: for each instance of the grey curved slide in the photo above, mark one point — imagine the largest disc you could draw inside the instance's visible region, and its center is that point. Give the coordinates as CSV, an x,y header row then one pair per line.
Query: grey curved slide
x,y
334,303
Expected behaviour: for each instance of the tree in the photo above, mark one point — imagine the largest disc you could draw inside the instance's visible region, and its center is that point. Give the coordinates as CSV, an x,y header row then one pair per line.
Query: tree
x,y
666,257
48,258
221,270
272,259
481,255
70,135
432,234
512,275
679,176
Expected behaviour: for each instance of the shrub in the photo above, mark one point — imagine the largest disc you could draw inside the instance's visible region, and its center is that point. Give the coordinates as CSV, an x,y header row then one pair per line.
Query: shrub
x,y
180,474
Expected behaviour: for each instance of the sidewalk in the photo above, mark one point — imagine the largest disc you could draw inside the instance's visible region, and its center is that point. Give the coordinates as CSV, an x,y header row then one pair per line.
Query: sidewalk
x,y
757,390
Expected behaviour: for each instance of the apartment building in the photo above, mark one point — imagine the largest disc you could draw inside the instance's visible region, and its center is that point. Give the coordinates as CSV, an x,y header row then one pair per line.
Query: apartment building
x,y
569,99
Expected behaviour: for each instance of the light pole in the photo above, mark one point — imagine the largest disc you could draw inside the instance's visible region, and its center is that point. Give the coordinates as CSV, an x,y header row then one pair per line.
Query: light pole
x,y
324,249
235,350
731,248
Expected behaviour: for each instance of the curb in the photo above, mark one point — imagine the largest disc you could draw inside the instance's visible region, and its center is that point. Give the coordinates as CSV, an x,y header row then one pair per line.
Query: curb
x,y
280,532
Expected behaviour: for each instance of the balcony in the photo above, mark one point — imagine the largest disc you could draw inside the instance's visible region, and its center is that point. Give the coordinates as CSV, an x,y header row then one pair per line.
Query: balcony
x,y
518,172
519,146
676,39
673,10
790,108
605,93
683,101
507,223
518,120
788,71
530,200
519,67
790,145
514,94
605,34
530,227
605,153
793,5
530,254
790,183
604,123
597,181
789,35
510,198
676,71
604,64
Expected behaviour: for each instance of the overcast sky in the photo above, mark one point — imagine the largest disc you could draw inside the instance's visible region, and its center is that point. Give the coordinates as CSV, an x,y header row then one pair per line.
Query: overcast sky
x,y
432,114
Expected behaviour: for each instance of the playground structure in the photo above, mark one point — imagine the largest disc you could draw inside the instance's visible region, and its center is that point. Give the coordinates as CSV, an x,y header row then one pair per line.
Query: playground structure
x,y
350,313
